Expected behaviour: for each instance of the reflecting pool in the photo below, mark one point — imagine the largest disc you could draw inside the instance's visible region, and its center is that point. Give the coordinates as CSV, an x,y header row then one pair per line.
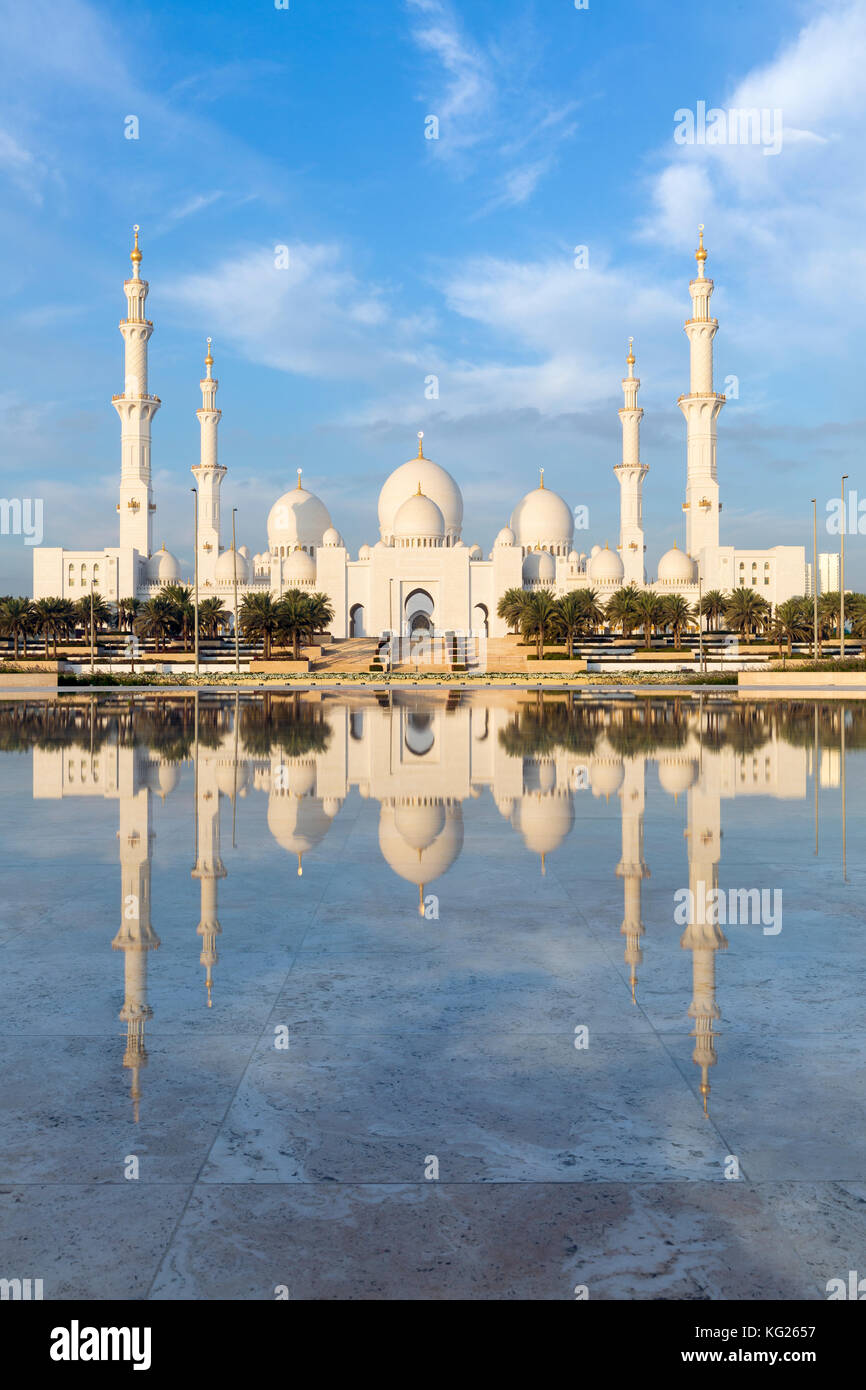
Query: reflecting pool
x,y
432,994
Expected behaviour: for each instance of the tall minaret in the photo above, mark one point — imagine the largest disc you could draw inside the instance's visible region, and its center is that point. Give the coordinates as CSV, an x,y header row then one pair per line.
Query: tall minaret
x,y
630,475
701,408
208,474
136,410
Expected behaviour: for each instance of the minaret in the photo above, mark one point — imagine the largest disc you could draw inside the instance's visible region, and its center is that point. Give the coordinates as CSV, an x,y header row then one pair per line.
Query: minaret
x,y
208,474
701,408
136,410
630,475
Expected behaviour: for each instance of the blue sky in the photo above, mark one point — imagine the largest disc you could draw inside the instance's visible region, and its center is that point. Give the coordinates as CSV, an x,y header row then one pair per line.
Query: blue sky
x,y
409,257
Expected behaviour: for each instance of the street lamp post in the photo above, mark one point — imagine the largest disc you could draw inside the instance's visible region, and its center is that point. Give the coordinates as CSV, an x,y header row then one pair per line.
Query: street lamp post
x,y
235,572
92,657
815,577
194,492
842,577
700,624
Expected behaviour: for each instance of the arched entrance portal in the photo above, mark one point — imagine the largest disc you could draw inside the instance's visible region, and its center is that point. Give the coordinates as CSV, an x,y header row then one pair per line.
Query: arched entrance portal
x,y
357,626
418,612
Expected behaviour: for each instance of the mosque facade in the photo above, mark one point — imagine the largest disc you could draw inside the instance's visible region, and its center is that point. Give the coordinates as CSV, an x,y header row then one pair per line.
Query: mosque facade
x,y
420,574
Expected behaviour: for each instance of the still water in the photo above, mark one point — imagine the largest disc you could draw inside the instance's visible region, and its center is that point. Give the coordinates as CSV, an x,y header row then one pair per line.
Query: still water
x,y
432,995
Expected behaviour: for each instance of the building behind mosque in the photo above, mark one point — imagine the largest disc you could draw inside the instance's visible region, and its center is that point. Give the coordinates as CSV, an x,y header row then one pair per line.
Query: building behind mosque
x,y
420,574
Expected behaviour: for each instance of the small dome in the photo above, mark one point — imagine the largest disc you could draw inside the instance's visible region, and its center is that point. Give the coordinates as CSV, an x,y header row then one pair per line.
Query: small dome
x,y
224,570
505,537
475,552
300,568
573,557
594,551
539,567
163,567
332,537
676,567
297,518
244,550
606,567
364,553
542,517
419,518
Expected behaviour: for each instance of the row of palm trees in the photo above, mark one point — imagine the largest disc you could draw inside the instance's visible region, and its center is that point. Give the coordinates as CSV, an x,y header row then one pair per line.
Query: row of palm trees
x,y
542,617
169,615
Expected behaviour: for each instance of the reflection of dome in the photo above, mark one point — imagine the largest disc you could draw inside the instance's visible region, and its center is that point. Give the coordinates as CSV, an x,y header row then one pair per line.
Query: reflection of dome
x,y
332,537
435,483
224,570
539,776
677,774
606,775
505,537
543,518
539,567
300,568
543,821
606,567
162,777
295,776
163,567
226,779
675,567
296,518
419,858
419,519
297,824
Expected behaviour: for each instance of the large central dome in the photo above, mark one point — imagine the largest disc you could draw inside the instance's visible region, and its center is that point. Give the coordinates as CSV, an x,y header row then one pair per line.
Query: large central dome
x,y
434,482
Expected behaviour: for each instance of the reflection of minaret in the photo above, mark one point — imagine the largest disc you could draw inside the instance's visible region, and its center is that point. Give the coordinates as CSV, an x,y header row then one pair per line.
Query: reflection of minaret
x,y
136,935
631,868
209,867
703,939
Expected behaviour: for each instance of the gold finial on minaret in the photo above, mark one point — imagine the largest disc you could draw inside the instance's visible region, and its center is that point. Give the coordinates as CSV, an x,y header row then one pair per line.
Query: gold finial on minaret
x,y
135,253
208,361
630,359
420,445
701,253
300,471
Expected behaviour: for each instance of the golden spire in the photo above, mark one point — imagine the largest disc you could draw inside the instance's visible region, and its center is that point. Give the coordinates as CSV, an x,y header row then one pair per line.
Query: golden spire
x,y
630,358
208,361
300,471
420,445
541,481
418,493
701,253
300,868
633,985
209,983
421,898
135,254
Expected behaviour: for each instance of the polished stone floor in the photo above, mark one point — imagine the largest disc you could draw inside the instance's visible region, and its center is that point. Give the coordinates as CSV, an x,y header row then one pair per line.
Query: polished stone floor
x,y
542,1080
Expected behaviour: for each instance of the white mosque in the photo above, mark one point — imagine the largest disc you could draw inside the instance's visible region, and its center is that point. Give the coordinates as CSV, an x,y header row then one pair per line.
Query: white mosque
x,y
419,574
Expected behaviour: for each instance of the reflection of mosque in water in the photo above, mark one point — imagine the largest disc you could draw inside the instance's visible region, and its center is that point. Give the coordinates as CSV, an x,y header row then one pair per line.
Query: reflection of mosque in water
x,y
422,758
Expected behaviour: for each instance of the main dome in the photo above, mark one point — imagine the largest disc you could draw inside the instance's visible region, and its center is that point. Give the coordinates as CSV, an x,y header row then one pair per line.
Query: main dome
x,y
434,482
297,518
543,518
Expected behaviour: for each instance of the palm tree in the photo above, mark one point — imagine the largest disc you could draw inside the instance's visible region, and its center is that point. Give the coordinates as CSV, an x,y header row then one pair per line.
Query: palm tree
x,y
830,612
126,611
677,614
855,605
713,605
649,610
538,618
569,620
101,612
511,605
259,617
180,598
746,611
320,613
16,617
157,618
212,616
50,617
621,612
293,612
793,620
